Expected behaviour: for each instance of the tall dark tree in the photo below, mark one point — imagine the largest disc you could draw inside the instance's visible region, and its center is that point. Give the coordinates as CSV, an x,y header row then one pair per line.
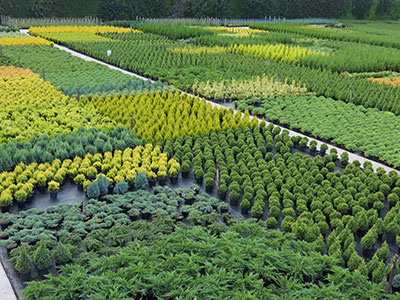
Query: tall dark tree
x,y
113,10
337,8
361,7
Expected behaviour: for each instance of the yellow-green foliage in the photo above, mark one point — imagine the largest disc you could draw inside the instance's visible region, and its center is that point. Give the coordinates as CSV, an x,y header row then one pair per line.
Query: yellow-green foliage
x,y
198,50
260,88
279,52
158,117
31,107
235,31
60,37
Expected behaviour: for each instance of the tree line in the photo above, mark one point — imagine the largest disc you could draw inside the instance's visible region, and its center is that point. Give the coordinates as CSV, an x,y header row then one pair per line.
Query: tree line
x,y
130,9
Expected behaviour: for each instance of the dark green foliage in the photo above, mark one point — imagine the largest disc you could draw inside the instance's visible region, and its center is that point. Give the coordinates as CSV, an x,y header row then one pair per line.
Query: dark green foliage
x,y
189,247
42,257
23,262
62,254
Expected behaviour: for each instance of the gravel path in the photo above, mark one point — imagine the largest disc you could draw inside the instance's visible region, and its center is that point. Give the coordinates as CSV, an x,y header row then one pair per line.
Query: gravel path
x,y
6,290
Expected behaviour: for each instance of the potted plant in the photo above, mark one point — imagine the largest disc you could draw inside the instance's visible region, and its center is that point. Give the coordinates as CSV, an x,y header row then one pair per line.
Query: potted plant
x,y
271,223
185,210
323,149
53,189
313,147
21,196
195,189
245,206
189,198
147,212
151,179
134,214
6,200
141,181
209,183
368,241
41,181
185,169
23,263
173,175
42,259
93,190
222,191
396,284
198,174
103,184
303,143
62,254
79,180
257,211
234,197
223,207
121,187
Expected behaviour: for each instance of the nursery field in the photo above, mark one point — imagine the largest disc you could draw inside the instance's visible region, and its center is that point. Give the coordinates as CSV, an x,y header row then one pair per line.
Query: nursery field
x,y
184,185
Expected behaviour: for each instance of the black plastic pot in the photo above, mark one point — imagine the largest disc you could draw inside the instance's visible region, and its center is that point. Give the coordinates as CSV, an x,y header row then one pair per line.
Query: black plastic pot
x,y
390,238
152,182
199,181
21,204
233,202
185,174
185,214
29,198
189,201
10,247
4,226
224,210
179,219
25,276
53,195
395,289
43,272
360,233
80,188
173,180
257,217
42,189
244,210
222,197
162,181
134,218
145,215
5,209
209,189
368,253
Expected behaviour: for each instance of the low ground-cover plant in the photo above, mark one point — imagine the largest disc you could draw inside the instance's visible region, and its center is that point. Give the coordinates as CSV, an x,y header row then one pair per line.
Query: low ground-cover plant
x,y
290,262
